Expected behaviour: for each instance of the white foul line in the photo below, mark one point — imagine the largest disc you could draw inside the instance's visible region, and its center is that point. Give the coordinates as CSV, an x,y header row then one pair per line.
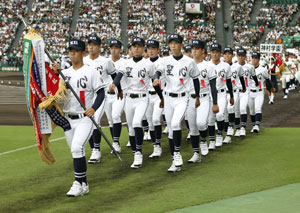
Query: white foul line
x,y
27,147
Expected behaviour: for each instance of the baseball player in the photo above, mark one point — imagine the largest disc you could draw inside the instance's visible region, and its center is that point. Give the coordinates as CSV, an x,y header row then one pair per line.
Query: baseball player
x,y
179,71
138,73
198,117
256,96
249,74
87,83
154,112
223,72
232,112
108,72
285,75
118,104
188,51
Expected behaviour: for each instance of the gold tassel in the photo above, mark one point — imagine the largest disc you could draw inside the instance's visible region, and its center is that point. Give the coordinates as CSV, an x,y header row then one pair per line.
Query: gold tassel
x,y
45,153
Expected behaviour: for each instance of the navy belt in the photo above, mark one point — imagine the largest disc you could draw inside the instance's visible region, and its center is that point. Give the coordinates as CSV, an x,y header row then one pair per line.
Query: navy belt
x,y
132,95
254,90
75,116
175,95
152,92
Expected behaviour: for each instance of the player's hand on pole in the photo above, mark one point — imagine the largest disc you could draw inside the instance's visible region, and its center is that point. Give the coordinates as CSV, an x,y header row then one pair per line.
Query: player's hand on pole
x,y
197,102
231,101
162,103
55,68
215,108
112,88
156,82
120,95
89,112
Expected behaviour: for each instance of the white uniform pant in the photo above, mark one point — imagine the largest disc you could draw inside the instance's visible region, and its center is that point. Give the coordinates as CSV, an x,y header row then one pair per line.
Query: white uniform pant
x,y
222,103
235,108
80,132
174,111
285,79
256,100
244,98
297,75
135,109
117,109
153,112
110,99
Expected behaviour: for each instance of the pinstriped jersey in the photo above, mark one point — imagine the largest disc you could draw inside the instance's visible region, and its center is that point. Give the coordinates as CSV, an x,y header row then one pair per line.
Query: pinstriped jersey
x,y
223,72
178,73
237,72
262,74
207,73
103,65
138,75
86,81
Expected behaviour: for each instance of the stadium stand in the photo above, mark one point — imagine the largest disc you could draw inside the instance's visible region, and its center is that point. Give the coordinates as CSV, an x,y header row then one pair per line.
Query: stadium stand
x,y
101,18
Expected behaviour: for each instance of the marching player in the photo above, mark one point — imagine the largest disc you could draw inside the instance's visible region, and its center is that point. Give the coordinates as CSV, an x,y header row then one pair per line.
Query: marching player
x,y
198,117
154,112
285,75
108,72
256,97
232,112
87,83
138,73
249,74
179,71
118,104
223,81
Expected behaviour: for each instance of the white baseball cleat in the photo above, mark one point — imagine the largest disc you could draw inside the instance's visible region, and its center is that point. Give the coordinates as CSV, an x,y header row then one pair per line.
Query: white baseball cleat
x,y
237,133
195,159
243,132
128,144
75,190
204,148
227,139
173,168
212,145
219,140
138,160
146,137
252,130
178,159
117,147
188,138
85,188
156,152
230,131
287,91
165,130
95,156
285,97
256,129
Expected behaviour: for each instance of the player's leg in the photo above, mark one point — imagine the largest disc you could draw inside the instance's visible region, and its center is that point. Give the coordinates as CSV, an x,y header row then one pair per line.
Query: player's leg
x,y
222,102
165,131
259,100
211,128
157,112
129,112
191,115
228,112
108,111
237,119
96,153
146,129
251,103
149,117
202,118
117,109
139,112
244,98
82,133
188,128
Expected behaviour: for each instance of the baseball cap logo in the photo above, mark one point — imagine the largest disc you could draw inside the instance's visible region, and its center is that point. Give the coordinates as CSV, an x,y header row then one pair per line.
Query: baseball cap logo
x,y
73,42
93,38
114,42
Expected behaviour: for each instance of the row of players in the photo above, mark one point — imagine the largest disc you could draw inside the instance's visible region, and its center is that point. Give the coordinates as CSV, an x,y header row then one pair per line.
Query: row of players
x,y
204,92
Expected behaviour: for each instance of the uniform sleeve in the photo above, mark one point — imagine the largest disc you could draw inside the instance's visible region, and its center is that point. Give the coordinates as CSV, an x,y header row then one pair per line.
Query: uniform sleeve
x,y
151,70
211,72
160,68
228,72
97,81
193,70
252,71
110,67
240,71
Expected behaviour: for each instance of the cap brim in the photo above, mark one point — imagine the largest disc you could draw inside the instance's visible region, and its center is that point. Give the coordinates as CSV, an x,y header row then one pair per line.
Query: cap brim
x,y
228,51
93,41
197,46
152,45
116,45
256,56
75,48
244,54
174,39
133,43
215,49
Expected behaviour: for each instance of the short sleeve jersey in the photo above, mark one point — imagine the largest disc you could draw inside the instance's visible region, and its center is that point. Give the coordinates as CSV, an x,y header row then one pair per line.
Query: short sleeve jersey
x,y
223,72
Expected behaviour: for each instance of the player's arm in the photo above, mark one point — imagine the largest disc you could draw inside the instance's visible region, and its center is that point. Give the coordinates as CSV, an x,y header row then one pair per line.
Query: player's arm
x,y
97,103
116,82
229,84
113,76
242,80
214,94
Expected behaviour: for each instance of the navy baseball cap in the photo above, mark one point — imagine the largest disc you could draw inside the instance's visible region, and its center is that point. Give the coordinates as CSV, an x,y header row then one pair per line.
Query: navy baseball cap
x,y
129,45
76,44
198,44
152,43
175,37
187,48
95,39
216,46
241,51
116,43
228,49
138,41
255,55
165,52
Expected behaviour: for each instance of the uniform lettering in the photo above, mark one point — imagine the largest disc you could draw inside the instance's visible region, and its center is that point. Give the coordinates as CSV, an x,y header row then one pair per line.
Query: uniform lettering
x,y
82,82
128,72
183,72
204,73
169,69
142,73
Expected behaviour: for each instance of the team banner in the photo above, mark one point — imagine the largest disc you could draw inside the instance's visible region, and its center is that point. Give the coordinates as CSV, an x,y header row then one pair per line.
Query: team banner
x,y
270,48
41,82
193,8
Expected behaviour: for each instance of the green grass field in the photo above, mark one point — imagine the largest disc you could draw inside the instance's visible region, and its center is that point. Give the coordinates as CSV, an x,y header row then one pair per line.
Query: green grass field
x,y
253,164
